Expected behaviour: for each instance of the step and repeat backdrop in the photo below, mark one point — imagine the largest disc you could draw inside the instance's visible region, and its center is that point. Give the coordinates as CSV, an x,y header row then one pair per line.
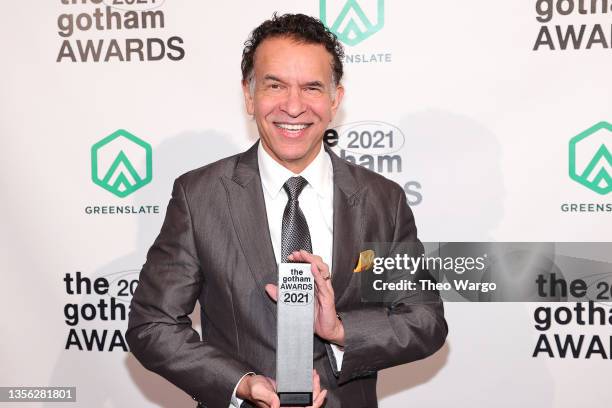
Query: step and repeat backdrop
x,y
494,116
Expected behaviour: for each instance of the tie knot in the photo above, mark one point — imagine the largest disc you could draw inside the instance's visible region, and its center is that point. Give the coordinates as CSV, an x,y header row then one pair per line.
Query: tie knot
x,y
294,186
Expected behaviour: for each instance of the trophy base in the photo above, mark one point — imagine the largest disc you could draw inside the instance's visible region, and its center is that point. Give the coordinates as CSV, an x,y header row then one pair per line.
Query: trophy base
x,y
295,399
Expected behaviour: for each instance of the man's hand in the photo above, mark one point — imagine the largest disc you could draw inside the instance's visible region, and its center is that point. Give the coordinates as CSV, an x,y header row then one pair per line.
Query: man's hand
x,y
326,322
261,391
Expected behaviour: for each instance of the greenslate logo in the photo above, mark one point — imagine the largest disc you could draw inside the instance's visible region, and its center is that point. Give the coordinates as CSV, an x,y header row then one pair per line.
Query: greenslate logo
x,y
113,163
352,24
590,161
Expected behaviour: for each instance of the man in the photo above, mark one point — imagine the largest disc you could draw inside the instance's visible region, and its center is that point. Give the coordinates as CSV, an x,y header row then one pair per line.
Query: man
x,y
287,198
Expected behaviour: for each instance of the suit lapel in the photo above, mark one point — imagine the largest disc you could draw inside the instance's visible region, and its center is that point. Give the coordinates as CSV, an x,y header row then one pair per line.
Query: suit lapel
x,y
248,211
349,218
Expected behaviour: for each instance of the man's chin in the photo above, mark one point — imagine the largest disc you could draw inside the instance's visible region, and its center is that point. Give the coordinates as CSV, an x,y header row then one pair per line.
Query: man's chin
x,y
293,158
296,158
293,153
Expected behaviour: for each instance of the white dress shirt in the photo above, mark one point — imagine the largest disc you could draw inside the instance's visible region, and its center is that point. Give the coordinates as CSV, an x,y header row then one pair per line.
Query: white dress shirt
x,y
316,202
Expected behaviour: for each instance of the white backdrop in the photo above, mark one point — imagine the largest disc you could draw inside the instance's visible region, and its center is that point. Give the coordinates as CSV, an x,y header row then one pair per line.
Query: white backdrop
x,y
482,124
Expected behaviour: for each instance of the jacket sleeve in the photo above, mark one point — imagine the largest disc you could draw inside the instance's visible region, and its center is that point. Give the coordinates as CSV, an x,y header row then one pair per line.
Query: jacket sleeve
x,y
159,329
410,328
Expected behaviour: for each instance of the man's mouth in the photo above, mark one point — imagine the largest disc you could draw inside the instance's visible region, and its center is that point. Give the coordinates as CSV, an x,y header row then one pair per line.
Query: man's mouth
x,y
292,128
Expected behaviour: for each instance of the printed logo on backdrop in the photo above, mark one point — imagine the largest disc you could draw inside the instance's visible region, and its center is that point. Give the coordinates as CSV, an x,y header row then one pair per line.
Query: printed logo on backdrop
x,y
590,161
377,146
115,31
111,167
354,22
121,164
590,165
573,25
352,25
97,323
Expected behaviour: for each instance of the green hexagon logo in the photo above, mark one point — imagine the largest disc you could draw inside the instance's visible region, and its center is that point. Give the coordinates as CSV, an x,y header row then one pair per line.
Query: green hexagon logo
x,y
113,162
351,23
590,161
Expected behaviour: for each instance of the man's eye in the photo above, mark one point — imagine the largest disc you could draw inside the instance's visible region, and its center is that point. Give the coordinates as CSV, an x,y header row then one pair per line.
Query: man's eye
x,y
275,86
313,89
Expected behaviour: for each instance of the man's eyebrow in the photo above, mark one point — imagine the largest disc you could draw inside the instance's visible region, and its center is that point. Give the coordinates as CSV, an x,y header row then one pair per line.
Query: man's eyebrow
x,y
269,77
315,84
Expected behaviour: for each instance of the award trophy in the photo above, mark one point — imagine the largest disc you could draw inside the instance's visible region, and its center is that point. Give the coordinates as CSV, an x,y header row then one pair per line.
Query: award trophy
x,y
294,334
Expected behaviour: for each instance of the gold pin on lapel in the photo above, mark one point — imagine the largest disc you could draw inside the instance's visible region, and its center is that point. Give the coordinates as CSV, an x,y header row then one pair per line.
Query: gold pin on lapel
x,y
366,260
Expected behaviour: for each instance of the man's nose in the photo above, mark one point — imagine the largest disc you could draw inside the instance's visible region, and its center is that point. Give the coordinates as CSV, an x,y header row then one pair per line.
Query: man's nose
x,y
293,105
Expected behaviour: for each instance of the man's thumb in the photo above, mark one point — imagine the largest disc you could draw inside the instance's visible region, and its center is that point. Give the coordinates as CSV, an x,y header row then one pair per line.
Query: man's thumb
x,y
272,291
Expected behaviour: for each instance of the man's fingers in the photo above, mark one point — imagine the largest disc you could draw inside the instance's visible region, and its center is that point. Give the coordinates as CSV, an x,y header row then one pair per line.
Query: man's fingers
x,y
320,276
263,394
305,256
320,399
323,286
317,394
275,402
272,291
320,270
272,402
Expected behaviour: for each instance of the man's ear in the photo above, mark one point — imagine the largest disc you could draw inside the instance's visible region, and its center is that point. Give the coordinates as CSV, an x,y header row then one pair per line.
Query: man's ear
x,y
337,99
248,98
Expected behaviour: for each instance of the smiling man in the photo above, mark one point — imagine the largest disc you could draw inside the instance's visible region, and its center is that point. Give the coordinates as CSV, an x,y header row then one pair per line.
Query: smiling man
x,y
287,199
291,90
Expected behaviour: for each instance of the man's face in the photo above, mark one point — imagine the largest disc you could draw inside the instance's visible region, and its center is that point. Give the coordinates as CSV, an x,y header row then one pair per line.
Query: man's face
x,y
293,99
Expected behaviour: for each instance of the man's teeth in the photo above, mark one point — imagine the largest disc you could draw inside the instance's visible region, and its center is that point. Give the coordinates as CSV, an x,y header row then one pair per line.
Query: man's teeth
x,y
291,127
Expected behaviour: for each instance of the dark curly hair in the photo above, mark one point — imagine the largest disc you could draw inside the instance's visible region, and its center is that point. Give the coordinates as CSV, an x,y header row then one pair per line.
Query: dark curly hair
x,y
301,28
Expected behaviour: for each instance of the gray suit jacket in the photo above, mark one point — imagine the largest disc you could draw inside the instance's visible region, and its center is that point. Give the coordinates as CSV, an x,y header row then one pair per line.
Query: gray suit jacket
x,y
215,247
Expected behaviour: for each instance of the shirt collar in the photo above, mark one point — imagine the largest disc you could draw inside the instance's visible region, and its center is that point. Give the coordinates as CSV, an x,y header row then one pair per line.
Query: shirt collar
x,y
319,173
